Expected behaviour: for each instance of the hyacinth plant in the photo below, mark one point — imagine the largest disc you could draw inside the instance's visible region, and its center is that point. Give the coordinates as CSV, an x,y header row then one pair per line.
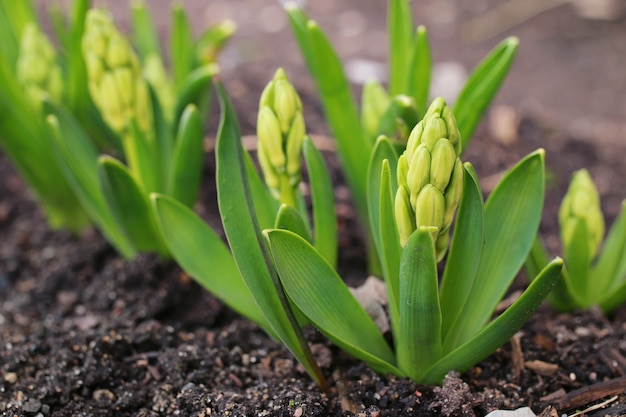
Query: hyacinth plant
x,y
412,200
592,277
395,111
243,277
60,110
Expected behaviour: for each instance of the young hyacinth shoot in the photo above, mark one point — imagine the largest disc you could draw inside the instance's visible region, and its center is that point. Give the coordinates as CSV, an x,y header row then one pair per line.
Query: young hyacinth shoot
x,y
281,132
582,204
115,82
430,177
592,277
37,69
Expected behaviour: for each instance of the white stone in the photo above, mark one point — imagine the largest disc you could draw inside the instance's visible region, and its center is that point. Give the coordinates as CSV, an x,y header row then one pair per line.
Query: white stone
x,y
520,412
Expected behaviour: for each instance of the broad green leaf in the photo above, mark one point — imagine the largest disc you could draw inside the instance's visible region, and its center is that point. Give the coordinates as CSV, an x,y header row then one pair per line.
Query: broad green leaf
x,y
419,341
143,159
60,29
482,86
181,46
610,268
400,34
499,331
186,169
247,245
299,26
14,15
75,80
316,289
512,215
324,217
265,205
288,218
78,160
203,255
164,136
212,41
129,204
340,112
391,250
465,252
418,84
383,150
145,35
579,264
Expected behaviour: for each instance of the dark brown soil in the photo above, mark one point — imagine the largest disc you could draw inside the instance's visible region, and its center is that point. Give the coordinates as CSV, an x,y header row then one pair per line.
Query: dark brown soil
x,y
83,332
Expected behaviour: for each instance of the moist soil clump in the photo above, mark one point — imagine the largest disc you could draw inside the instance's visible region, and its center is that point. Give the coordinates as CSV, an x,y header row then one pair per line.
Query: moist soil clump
x,y
84,332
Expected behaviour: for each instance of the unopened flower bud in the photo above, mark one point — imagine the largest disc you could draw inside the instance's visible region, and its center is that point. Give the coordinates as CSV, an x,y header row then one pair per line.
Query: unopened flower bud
x,y
281,131
431,174
582,202
404,214
37,69
115,82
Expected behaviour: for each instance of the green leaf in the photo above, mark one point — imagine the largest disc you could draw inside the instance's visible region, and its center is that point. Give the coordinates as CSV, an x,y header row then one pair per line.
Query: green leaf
x,y
186,172
324,217
419,74
610,269
129,204
75,80
298,21
383,150
203,255
194,89
316,289
247,245
78,160
181,46
143,159
579,264
614,299
419,341
400,32
465,252
512,215
145,35
482,86
500,330
288,218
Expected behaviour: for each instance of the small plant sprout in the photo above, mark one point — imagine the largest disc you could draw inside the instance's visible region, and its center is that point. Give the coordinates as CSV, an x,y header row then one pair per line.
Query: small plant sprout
x,y
595,273
394,111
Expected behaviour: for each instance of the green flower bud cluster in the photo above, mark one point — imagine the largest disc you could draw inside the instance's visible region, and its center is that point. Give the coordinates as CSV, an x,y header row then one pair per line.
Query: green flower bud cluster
x,y
582,202
37,69
281,132
115,82
430,177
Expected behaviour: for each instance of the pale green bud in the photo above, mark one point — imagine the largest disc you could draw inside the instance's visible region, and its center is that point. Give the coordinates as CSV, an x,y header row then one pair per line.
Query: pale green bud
x,y
582,202
414,140
453,131
294,148
281,131
430,208
453,192
443,160
115,82
436,108
270,138
434,129
404,214
402,171
271,178
36,67
418,174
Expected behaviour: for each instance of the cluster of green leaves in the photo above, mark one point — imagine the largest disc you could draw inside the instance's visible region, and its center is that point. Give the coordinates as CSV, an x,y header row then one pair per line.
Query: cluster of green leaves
x,y
288,279
56,140
592,276
403,106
